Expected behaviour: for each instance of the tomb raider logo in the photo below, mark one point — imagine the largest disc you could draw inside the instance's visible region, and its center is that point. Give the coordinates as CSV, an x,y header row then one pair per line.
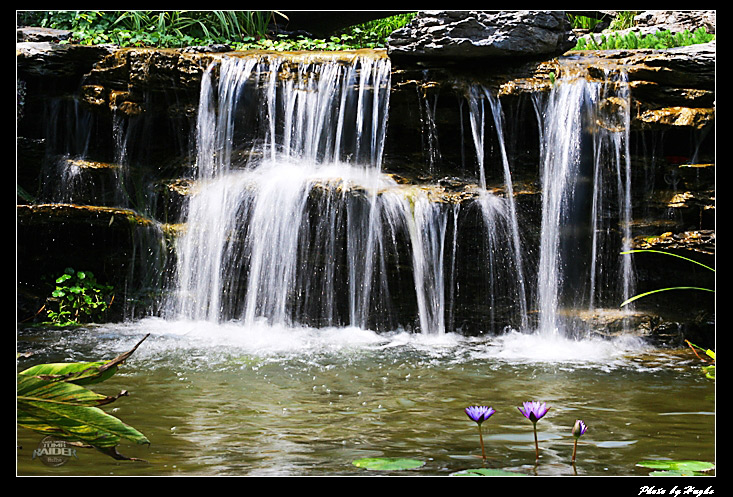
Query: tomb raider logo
x,y
54,452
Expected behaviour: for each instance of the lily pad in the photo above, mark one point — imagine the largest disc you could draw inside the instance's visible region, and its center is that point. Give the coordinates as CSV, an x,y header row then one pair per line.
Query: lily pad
x,y
387,463
685,467
485,472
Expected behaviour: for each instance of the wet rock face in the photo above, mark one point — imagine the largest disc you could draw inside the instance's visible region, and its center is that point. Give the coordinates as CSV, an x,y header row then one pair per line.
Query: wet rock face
x,y
477,34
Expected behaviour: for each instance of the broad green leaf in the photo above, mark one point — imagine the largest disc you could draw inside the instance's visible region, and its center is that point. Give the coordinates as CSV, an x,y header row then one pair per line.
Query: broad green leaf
x,y
485,472
81,373
685,465
387,463
72,409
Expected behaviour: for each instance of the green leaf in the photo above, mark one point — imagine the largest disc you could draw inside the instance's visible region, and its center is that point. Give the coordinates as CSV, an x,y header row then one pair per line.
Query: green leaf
x,y
387,463
485,472
635,297
81,373
68,410
684,465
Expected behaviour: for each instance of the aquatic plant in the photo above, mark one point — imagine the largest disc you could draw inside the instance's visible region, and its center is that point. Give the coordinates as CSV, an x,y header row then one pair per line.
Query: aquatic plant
x,y
578,430
635,297
387,463
676,468
479,414
708,370
52,400
534,411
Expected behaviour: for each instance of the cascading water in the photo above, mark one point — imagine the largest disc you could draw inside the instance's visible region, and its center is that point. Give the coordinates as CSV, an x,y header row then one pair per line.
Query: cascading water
x,y
318,130
585,159
497,213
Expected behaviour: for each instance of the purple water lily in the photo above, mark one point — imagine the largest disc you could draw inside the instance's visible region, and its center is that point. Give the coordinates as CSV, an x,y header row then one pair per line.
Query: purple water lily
x,y
480,414
578,430
534,411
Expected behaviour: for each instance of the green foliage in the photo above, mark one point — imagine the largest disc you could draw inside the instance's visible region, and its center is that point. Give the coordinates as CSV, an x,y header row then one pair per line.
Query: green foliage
x,y
659,40
582,22
78,298
52,401
242,30
623,20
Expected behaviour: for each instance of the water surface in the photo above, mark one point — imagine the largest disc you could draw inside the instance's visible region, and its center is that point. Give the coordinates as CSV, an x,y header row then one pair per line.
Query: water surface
x,y
266,400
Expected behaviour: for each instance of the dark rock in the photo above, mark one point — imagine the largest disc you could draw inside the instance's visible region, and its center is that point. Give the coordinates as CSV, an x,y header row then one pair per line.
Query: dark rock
x,y
480,34
49,59
36,34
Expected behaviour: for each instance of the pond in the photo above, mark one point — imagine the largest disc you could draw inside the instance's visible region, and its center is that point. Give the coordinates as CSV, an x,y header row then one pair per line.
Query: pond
x,y
230,400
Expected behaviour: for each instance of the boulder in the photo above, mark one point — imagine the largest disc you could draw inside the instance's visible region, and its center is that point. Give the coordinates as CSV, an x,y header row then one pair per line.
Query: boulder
x,y
457,35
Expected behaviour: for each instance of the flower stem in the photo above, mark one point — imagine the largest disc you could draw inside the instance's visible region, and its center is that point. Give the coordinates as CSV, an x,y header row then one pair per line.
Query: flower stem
x,y
481,439
536,445
575,448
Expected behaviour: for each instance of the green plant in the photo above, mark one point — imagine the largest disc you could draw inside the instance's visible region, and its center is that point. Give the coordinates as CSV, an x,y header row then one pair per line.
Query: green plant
x,y
51,399
623,20
659,40
582,22
78,298
648,251
242,30
708,370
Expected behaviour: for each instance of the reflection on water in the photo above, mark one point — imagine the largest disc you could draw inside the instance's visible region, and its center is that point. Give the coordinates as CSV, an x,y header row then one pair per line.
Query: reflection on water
x,y
225,400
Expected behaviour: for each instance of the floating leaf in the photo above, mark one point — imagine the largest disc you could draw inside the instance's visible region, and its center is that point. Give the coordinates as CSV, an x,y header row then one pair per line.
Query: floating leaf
x,y
686,467
387,463
485,472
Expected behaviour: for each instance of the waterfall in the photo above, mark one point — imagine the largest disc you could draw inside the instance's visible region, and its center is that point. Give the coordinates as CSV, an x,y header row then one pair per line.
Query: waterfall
x,y
585,161
293,222
497,213
276,138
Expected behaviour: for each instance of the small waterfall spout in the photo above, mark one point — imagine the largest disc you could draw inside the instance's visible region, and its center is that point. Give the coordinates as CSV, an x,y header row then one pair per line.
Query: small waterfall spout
x,y
585,169
500,215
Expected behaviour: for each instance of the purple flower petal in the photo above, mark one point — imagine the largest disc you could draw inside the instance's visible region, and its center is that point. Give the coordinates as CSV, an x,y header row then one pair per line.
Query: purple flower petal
x,y
579,428
479,413
534,410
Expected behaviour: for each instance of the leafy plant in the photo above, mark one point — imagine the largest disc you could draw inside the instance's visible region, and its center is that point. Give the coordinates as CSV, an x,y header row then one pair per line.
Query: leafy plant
x,y
582,22
242,30
53,401
79,298
659,40
623,20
